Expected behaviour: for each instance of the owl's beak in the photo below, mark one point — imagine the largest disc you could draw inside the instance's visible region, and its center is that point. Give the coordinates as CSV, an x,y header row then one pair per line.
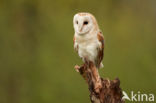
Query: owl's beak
x,y
80,28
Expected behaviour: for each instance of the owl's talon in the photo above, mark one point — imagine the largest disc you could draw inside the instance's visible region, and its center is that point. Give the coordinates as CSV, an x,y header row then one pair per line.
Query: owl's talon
x,y
86,60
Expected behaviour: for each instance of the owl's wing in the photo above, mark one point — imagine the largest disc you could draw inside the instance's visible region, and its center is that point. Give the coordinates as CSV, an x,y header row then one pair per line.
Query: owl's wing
x,y
75,44
100,49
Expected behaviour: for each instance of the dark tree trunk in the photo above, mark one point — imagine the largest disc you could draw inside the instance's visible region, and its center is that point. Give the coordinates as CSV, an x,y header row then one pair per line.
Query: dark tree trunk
x,y
101,90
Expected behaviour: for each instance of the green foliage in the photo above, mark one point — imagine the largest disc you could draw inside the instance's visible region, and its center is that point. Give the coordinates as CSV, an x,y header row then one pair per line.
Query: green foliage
x,y
37,56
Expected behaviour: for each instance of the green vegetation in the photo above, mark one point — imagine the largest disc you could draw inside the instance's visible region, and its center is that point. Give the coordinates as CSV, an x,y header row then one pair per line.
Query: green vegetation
x,y
36,48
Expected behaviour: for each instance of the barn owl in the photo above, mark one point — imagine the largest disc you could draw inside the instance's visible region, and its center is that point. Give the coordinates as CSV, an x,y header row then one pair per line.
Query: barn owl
x,y
88,39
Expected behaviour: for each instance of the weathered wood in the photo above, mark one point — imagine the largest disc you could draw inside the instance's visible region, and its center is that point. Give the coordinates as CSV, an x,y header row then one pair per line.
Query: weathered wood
x,y
101,90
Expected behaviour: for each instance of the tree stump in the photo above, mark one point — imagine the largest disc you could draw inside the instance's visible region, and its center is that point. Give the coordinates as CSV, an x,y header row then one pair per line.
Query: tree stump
x,y
101,90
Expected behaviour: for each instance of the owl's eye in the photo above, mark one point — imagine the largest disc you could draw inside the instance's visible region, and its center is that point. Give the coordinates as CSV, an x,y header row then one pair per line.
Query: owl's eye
x,y
85,22
76,22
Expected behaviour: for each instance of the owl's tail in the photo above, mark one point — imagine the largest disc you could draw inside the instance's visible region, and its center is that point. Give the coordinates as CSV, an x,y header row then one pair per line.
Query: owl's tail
x,y
101,65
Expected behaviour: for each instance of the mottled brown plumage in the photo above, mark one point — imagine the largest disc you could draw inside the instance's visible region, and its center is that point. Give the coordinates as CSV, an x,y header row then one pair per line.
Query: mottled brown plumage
x,y
100,50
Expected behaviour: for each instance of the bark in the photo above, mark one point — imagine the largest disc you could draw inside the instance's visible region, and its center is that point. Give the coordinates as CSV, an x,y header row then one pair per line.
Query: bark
x,y
101,90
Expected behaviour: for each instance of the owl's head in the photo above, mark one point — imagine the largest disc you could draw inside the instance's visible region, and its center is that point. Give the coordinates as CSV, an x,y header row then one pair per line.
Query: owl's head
x,y
84,23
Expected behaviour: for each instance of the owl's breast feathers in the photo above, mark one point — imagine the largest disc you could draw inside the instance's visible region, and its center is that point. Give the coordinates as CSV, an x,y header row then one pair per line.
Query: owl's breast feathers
x,y
90,48
76,47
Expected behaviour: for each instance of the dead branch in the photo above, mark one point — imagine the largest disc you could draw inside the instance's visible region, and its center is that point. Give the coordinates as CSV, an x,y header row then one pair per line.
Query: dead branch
x,y
101,90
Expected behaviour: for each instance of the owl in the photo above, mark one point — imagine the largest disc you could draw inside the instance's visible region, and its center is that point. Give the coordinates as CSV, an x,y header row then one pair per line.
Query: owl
x,y
88,39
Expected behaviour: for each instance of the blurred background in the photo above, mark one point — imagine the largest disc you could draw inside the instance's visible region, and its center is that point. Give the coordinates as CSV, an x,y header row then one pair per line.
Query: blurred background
x,y
37,58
